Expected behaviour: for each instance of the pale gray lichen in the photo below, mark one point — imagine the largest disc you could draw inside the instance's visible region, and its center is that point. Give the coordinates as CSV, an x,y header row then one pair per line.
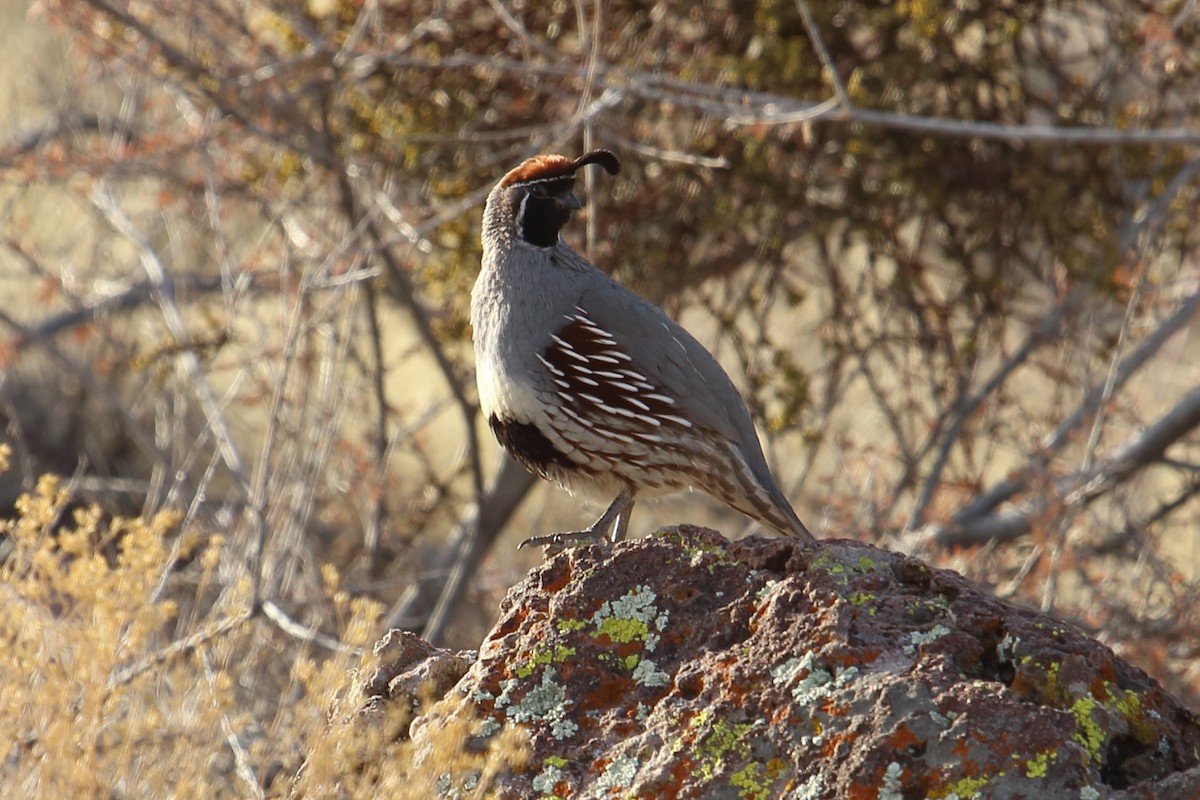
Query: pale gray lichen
x,y
547,779
1006,649
892,788
619,773
817,685
811,789
647,673
918,638
547,702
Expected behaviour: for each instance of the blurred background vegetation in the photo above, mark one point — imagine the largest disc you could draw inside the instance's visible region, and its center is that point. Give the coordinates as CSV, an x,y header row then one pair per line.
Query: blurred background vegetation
x,y
949,250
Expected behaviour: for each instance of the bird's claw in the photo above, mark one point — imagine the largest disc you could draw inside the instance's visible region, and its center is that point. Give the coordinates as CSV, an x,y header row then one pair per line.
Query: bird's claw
x,y
558,542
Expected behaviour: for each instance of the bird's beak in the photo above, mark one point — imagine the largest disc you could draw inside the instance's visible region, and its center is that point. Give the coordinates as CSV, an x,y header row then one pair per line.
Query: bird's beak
x,y
569,201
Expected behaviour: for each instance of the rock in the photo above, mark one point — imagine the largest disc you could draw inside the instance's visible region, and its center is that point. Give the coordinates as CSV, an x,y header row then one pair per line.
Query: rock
x,y
685,665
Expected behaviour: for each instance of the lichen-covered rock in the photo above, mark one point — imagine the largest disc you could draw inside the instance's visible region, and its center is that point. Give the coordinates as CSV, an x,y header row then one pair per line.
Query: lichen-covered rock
x,y
684,665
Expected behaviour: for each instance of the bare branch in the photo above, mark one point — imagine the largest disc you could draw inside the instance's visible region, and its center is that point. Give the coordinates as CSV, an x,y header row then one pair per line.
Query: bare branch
x,y
1142,451
814,34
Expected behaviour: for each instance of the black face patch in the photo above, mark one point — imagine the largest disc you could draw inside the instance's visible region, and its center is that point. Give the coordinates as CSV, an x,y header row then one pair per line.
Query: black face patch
x,y
540,213
527,444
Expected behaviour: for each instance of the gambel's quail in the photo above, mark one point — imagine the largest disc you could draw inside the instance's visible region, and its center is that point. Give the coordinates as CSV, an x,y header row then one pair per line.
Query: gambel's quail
x,y
591,386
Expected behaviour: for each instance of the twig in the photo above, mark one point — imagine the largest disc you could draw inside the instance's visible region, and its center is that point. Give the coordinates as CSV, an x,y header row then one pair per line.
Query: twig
x,y
380,435
1059,438
1144,450
164,291
814,35
1147,448
741,108
476,531
179,647
304,633
241,758
1046,331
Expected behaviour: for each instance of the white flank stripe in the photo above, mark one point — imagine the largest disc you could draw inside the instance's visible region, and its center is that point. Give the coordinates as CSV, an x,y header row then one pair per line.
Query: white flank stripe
x,y
633,401
557,372
661,398
611,434
580,358
596,401
680,420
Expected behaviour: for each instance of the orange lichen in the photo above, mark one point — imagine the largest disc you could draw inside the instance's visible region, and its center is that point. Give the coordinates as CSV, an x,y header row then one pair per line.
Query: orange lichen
x,y
904,738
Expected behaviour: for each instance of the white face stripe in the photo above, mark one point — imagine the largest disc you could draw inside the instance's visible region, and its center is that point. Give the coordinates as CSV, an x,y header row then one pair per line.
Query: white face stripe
x,y
536,181
521,216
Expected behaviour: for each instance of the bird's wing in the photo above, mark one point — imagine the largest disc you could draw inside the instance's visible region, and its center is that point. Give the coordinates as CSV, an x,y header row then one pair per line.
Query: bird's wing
x,y
670,358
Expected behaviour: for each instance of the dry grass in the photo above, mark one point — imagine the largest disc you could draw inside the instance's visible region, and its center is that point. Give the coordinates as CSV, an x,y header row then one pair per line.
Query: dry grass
x,y
126,675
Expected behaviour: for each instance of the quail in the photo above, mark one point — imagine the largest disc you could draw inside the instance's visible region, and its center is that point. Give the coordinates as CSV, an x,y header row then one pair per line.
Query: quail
x,y
591,386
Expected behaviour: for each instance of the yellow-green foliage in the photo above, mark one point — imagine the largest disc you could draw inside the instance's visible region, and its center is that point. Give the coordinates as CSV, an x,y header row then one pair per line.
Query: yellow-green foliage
x,y
116,680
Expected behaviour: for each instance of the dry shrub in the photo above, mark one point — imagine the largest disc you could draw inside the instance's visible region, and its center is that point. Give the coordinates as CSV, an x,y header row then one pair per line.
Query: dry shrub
x,y
118,682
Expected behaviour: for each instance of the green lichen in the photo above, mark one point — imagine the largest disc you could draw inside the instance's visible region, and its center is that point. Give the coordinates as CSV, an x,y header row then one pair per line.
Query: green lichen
x,y
569,625
545,655
631,618
1088,732
754,781
964,787
860,598
826,561
722,740
866,564
1037,766
623,631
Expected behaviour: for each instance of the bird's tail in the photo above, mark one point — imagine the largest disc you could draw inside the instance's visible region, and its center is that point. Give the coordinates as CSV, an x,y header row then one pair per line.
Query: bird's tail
x,y
760,498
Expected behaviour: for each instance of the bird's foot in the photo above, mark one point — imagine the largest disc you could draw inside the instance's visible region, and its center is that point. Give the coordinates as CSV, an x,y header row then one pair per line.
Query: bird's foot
x,y
615,519
557,542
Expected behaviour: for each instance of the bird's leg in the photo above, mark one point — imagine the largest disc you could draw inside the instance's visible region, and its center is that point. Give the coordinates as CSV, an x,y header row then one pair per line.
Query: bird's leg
x,y
616,517
622,524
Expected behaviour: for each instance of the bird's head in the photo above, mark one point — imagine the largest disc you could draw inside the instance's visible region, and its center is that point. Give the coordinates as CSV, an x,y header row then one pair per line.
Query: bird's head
x,y
536,197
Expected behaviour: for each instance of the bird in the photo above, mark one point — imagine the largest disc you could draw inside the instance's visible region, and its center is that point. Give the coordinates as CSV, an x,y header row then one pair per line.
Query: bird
x,y
591,386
